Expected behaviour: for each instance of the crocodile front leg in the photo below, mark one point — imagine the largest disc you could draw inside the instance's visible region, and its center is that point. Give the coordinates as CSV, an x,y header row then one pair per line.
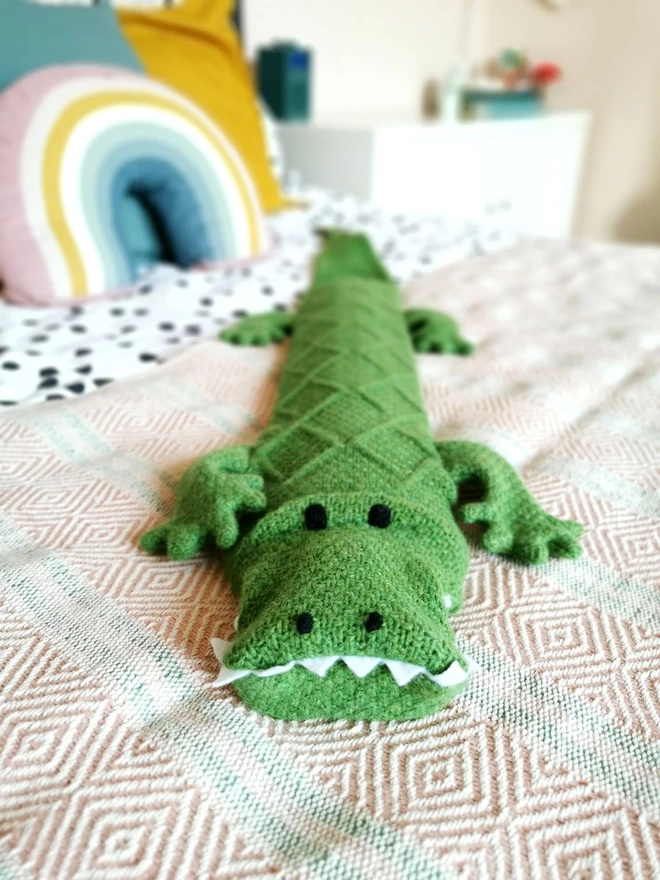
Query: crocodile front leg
x,y
516,526
212,494
259,329
434,332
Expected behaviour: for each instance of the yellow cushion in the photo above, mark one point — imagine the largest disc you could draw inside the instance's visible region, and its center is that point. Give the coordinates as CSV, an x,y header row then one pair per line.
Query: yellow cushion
x,y
194,48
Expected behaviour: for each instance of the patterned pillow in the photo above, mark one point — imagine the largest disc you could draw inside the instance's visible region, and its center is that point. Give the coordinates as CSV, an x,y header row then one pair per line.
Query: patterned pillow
x,y
76,140
33,35
194,48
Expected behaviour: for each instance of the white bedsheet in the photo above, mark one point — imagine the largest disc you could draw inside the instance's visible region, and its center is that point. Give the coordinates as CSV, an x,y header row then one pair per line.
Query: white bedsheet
x,y
53,353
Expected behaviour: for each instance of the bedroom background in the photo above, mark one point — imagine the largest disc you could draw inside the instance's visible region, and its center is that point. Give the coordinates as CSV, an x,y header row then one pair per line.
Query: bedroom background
x,y
118,757
607,49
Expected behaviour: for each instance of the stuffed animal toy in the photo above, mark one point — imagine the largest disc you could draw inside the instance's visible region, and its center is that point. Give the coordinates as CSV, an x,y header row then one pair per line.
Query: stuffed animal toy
x,y
339,528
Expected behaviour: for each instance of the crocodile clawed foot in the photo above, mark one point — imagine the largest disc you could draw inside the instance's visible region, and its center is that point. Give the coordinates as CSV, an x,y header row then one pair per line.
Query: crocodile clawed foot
x,y
434,332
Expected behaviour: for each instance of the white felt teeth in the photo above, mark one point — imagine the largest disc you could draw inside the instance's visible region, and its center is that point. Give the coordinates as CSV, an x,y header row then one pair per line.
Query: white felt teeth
x,y
453,675
274,670
319,665
402,673
220,648
361,666
226,675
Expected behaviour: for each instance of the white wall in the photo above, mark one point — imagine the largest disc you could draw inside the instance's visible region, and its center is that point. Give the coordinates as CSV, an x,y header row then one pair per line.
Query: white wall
x,y
372,54
610,51
376,55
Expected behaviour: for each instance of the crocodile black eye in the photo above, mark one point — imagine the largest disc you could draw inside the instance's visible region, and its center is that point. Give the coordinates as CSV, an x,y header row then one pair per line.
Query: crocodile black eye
x,y
316,517
380,516
304,623
373,622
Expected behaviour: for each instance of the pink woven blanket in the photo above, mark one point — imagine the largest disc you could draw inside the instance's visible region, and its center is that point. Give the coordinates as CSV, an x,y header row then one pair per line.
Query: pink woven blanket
x,y
117,758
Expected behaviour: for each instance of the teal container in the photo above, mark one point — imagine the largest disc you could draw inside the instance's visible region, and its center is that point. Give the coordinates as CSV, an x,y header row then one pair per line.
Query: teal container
x,y
284,77
478,104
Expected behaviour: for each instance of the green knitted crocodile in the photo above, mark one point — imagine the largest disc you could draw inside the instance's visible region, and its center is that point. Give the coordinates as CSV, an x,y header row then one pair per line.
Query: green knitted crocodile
x,y
338,529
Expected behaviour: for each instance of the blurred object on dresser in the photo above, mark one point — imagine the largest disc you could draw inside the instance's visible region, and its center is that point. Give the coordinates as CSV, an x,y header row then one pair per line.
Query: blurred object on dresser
x,y
284,73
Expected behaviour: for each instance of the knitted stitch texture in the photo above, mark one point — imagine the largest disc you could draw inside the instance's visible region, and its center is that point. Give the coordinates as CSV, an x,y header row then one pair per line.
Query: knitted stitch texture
x,y
339,528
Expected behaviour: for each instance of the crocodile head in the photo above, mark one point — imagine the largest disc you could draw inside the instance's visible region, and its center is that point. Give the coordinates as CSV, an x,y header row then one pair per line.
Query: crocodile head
x,y
344,610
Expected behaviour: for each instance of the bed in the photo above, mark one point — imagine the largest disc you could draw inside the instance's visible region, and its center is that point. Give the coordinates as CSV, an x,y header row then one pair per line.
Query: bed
x,y
118,757
62,352
119,760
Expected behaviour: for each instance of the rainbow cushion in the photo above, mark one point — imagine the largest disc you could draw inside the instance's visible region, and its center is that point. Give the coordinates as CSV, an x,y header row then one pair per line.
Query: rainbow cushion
x,y
75,141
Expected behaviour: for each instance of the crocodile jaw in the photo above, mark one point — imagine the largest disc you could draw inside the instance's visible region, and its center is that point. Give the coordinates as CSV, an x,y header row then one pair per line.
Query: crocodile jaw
x,y
402,673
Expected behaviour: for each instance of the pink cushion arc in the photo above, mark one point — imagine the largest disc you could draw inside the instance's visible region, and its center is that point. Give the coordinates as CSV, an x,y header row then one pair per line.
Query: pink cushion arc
x,y
76,140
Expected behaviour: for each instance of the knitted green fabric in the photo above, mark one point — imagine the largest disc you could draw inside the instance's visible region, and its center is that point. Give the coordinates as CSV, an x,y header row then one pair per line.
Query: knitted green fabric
x,y
339,528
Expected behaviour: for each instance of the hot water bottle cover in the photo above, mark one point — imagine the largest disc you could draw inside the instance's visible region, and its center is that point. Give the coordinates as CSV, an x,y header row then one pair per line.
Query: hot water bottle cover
x,y
339,528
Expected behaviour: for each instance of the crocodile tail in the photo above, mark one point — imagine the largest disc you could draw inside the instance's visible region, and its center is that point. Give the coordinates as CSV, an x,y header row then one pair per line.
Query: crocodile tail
x,y
346,255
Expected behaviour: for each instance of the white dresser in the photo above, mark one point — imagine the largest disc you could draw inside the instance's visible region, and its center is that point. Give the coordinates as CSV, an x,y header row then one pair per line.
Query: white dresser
x,y
522,172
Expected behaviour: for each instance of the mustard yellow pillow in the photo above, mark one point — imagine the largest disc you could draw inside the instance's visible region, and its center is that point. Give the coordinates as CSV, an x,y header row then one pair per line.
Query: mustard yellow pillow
x,y
194,48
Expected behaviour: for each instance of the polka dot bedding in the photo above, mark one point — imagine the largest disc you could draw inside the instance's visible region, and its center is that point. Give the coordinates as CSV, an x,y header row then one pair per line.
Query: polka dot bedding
x,y
61,352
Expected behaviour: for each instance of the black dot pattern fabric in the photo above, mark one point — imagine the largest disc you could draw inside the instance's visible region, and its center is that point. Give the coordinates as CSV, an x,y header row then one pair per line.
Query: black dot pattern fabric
x,y
64,352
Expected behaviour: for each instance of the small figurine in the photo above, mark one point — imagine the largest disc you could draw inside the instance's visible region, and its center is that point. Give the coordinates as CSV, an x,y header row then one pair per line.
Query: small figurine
x,y
515,71
430,99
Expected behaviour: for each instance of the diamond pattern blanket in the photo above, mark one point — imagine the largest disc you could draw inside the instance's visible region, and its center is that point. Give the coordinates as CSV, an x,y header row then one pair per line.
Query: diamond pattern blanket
x,y
118,759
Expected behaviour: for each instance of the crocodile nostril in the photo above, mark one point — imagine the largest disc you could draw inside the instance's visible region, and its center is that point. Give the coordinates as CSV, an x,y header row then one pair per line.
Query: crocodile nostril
x,y
380,516
316,517
305,623
373,622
